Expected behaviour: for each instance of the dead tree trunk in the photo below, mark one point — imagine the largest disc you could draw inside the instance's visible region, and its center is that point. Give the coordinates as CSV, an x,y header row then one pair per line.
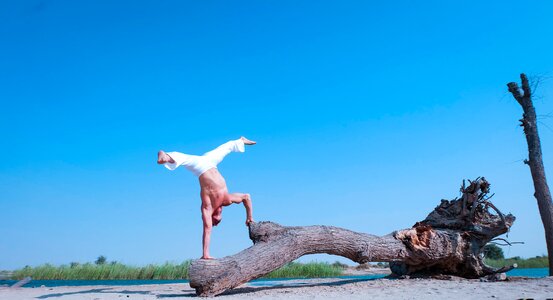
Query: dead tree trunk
x,y
542,193
448,241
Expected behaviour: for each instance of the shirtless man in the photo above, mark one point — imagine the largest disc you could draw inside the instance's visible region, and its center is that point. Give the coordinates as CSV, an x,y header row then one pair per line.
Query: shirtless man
x,y
214,191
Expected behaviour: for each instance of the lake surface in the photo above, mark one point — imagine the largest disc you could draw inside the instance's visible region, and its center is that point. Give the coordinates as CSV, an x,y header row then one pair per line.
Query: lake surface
x,y
538,272
542,272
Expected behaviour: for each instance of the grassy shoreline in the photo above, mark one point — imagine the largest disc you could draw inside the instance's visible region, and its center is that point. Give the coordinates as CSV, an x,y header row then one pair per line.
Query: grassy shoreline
x,y
522,263
116,271
171,271
167,271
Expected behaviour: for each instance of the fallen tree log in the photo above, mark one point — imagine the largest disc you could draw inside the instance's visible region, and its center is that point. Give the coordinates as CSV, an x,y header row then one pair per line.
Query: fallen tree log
x,y
448,242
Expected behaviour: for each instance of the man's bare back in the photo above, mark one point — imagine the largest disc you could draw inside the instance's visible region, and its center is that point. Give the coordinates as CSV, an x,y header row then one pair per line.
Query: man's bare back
x,y
215,196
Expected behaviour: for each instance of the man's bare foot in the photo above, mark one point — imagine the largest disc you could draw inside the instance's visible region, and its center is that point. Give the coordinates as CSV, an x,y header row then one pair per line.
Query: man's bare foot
x,y
163,157
207,257
247,142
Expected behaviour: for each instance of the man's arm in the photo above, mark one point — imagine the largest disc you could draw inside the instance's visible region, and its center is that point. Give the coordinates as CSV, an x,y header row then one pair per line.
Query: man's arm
x,y
207,211
249,209
247,201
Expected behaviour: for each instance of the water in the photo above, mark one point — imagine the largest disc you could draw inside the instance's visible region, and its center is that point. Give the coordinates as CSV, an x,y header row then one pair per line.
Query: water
x,y
53,283
272,282
537,272
541,272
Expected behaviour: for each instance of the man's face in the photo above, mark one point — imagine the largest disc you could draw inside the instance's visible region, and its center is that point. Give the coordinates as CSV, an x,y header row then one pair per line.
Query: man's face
x,y
217,216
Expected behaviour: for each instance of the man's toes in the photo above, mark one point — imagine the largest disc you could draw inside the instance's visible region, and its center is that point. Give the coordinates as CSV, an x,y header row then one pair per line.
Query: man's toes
x,y
247,142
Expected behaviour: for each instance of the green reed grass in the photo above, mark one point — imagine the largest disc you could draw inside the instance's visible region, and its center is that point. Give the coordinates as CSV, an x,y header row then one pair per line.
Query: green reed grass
x,y
522,263
114,271
167,271
308,270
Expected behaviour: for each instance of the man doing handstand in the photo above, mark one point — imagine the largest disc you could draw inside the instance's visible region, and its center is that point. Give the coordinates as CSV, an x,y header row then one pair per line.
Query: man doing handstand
x,y
214,192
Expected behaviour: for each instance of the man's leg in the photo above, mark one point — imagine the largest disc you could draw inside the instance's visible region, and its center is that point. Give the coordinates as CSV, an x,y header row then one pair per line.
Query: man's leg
x,y
217,155
194,163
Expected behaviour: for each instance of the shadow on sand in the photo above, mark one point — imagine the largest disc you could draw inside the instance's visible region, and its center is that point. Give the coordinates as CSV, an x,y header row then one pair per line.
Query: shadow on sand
x,y
95,291
236,291
292,285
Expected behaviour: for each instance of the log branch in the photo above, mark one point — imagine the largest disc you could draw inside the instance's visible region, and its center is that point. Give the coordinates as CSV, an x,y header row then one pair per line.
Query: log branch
x,y
507,243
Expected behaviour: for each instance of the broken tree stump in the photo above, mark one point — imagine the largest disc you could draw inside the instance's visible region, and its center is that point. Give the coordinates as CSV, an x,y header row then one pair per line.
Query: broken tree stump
x,y
449,241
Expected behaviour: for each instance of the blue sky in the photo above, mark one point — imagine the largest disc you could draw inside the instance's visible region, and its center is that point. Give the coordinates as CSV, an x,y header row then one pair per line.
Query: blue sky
x,y
366,114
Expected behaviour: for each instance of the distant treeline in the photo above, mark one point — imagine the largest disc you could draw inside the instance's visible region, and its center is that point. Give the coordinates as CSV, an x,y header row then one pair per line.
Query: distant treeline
x,y
168,271
522,263
5,275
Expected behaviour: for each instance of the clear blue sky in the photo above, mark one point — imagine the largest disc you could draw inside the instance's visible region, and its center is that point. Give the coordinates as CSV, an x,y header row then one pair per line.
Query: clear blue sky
x,y
366,114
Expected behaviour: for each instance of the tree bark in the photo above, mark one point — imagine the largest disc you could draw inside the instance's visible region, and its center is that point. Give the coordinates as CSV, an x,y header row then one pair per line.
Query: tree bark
x,y
541,189
448,241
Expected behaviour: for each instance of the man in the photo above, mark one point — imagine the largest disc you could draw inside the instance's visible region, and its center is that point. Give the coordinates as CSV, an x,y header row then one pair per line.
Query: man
x,y
214,191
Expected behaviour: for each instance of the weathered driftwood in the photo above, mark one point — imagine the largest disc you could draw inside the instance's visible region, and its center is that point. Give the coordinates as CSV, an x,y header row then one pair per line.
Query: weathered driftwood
x,y
542,193
448,241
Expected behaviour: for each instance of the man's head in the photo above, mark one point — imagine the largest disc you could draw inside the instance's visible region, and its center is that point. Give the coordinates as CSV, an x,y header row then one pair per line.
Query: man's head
x,y
217,216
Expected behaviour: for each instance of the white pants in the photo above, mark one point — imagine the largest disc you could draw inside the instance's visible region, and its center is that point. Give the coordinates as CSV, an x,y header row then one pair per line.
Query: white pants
x,y
200,164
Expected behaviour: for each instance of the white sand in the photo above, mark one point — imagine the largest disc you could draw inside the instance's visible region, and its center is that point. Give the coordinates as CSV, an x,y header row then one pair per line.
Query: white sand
x,y
515,288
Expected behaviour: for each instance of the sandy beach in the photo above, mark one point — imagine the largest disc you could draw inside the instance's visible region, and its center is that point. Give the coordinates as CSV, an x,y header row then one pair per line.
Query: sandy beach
x,y
331,288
